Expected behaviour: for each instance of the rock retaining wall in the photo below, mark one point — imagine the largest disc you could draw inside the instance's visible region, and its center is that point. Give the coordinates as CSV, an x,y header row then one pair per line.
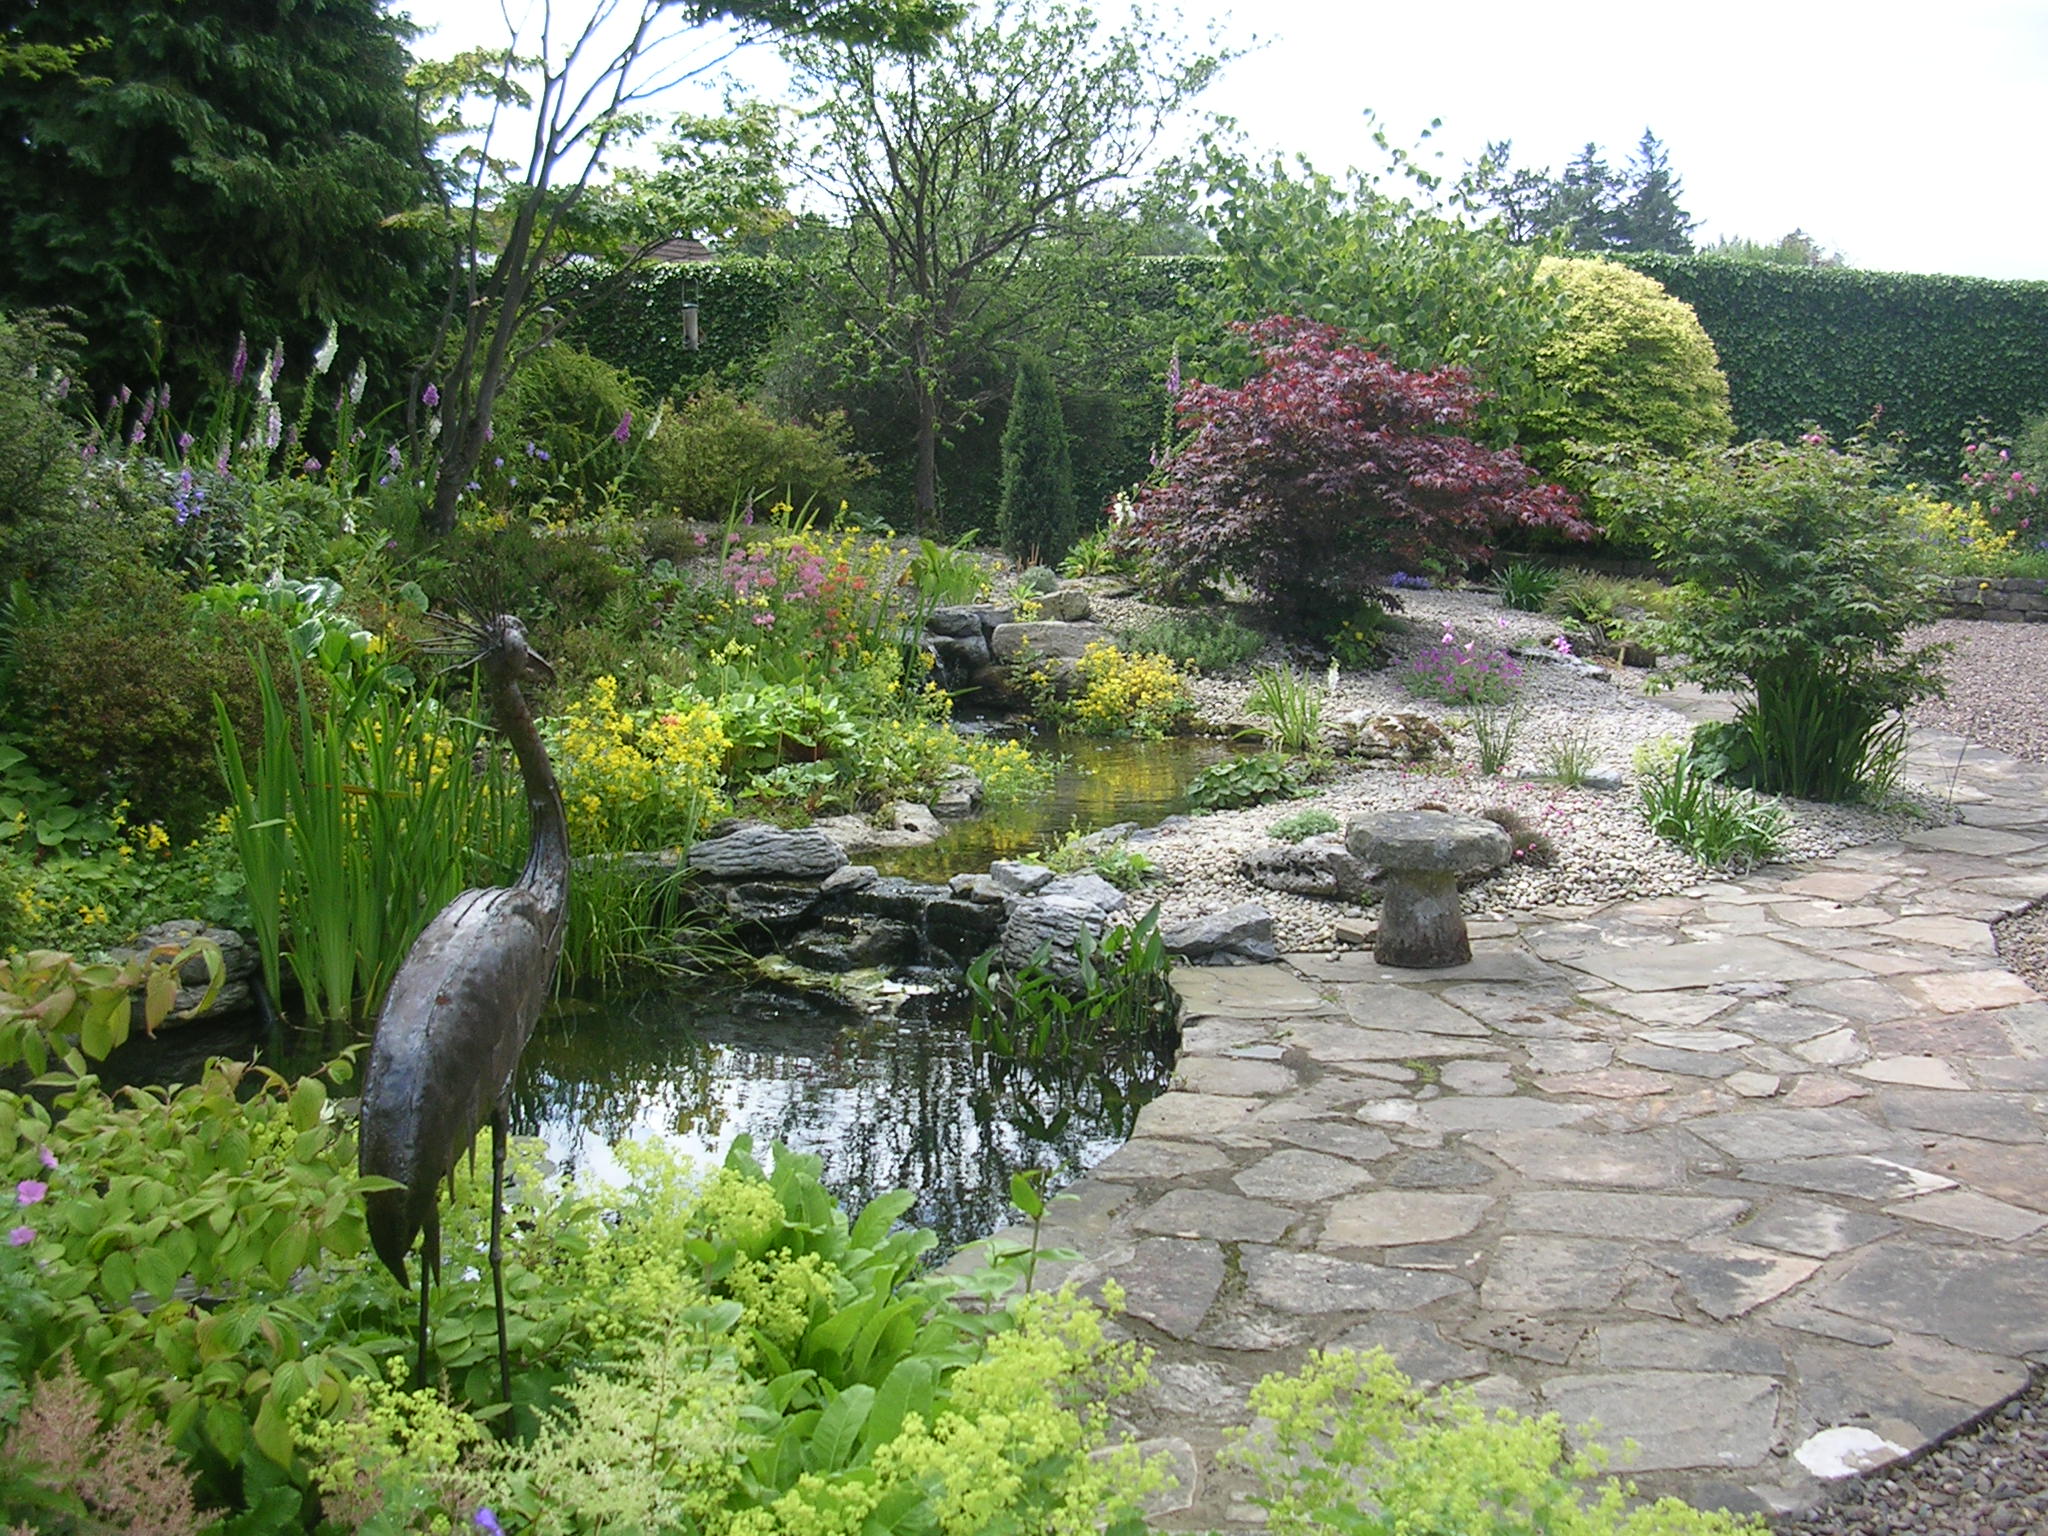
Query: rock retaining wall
x,y
2006,599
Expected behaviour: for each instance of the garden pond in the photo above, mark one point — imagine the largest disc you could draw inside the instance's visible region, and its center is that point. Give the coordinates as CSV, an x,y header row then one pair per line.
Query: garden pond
x,y
899,1100
1100,781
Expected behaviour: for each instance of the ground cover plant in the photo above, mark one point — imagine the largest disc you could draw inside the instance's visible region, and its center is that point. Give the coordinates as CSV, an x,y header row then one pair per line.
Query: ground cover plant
x,y
1328,470
725,1345
1202,642
1350,1445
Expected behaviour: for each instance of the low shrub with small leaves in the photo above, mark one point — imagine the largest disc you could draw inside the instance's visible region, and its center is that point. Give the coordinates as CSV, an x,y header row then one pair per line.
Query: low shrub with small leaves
x,y
717,451
1201,642
1363,638
1302,825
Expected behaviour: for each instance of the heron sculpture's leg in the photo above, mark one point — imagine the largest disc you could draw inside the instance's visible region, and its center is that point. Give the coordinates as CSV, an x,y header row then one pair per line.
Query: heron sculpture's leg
x,y
497,1246
430,1266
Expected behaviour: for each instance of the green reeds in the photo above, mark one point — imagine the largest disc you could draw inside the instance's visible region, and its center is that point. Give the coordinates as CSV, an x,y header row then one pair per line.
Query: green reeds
x,y
357,826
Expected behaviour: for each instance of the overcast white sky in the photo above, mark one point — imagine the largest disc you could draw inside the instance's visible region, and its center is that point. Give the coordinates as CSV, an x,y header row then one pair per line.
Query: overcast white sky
x,y
1910,137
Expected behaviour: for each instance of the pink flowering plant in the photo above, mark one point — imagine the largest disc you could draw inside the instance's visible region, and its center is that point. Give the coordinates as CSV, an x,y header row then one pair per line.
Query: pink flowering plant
x,y
1462,671
2008,494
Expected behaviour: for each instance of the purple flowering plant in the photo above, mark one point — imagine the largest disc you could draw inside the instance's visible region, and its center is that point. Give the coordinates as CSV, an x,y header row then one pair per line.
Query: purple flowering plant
x,y
1462,671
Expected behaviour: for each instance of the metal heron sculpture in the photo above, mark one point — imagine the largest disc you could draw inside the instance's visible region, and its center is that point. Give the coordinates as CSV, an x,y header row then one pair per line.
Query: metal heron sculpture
x,y
461,1007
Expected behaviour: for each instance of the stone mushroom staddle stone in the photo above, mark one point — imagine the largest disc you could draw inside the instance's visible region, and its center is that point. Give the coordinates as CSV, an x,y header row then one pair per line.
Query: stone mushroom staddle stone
x,y
1422,855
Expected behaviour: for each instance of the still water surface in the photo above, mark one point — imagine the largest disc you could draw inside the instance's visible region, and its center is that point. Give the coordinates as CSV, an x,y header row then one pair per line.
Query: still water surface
x,y
906,1102
888,1103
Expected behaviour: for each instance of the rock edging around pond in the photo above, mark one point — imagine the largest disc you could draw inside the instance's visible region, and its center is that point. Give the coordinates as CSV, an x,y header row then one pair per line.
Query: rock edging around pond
x,y
798,892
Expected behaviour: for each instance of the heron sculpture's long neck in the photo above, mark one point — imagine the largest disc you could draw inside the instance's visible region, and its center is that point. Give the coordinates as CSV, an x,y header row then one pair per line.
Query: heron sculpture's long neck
x,y
547,860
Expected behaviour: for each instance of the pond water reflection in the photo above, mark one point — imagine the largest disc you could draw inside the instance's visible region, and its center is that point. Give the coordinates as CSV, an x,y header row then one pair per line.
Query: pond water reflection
x,y
893,1103
1100,782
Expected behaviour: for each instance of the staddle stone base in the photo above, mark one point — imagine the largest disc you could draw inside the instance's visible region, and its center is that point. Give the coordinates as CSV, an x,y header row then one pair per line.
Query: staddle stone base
x,y
1422,925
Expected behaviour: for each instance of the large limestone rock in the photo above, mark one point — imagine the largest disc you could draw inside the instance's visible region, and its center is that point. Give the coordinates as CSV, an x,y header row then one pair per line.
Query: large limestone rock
x,y
1403,736
1054,924
238,967
1239,935
755,851
1315,866
1043,640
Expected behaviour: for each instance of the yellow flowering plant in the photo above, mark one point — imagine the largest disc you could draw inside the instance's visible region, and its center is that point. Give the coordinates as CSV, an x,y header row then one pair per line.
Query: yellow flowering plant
x,y
1121,694
1960,540
635,779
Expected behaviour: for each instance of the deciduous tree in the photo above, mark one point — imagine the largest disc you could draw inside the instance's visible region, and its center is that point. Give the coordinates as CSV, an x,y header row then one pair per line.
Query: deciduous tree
x,y
1411,264
583,91
975,187
1331,468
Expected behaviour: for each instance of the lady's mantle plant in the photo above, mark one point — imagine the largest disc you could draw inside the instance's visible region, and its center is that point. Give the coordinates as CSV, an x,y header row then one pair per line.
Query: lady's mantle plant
x,y
1330,469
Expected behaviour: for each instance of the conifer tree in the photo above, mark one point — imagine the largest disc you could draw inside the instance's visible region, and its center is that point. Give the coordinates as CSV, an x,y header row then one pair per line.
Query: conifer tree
x,y
1038,519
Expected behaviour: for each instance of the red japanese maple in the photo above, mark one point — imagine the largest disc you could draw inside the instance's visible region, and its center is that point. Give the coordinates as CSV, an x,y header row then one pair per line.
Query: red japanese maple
x,y
1329,470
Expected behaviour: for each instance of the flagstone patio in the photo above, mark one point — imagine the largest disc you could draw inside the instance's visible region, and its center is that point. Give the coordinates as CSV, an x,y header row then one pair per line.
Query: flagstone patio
x,y
1721,1172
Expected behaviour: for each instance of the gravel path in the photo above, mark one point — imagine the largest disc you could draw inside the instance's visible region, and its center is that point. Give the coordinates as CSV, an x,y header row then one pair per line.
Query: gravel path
x,y
1997,685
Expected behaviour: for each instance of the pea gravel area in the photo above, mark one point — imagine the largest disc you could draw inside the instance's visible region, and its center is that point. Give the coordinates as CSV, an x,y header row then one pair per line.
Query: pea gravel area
x,y
1604,850
1997,685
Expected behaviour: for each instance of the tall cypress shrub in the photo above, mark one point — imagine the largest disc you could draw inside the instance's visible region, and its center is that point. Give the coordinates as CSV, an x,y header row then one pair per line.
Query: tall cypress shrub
x,y
1039,515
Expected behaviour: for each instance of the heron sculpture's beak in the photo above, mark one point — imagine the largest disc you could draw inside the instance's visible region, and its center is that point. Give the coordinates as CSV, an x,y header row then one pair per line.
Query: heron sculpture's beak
x,y
540,664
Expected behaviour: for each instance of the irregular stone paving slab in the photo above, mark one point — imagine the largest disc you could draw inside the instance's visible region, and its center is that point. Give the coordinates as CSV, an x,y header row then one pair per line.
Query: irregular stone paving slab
x,y
1390,1218
1300,1177
1865,1178
1421,1352
1964,1210
1659,1218
1171,1283
1813,1228
1765,1135
1676,967
1688,1419
1311,1284
1727,1171
1728,1279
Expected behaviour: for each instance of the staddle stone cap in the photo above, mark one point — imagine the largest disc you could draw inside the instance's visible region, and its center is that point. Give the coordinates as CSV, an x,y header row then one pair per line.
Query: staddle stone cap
x,y
1428,842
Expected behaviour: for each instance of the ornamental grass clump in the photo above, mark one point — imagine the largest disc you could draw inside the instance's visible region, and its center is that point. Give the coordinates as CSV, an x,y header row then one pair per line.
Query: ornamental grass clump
x,y
1292,703
1798,580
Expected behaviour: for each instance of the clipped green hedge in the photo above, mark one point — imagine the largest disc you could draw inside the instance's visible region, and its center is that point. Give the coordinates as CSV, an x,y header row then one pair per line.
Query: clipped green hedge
x,y
1827,344
740,303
